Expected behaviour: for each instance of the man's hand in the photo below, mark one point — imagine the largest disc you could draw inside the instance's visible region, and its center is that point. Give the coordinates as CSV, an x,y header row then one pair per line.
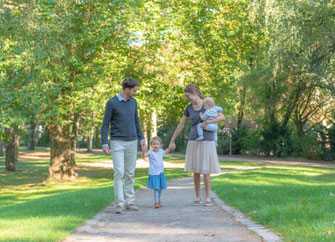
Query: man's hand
x,y
106,150
144,147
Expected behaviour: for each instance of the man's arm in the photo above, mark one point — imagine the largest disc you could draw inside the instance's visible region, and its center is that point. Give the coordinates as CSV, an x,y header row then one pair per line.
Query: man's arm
x,y
105,128
139,131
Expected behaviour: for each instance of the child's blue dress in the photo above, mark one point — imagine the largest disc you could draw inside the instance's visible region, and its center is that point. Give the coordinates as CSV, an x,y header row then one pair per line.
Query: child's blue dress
x,y
156,178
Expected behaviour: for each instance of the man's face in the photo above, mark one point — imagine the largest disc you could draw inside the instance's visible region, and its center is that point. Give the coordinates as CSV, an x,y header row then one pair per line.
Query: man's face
x,y
131,91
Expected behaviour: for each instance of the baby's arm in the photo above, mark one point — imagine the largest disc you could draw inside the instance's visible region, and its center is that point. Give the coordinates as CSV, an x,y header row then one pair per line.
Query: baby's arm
x,y
204,116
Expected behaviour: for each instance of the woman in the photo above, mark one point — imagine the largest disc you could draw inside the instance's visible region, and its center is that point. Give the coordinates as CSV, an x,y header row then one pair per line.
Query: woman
x,y
201,156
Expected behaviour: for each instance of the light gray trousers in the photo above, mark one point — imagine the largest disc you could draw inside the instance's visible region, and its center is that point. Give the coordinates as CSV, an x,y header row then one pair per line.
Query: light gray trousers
x,y
124,155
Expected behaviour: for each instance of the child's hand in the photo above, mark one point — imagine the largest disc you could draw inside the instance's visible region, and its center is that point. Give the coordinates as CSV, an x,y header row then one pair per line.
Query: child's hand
x,y
200,113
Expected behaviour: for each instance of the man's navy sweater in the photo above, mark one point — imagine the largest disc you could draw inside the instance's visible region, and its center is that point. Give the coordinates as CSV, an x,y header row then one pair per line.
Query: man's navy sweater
x,y
123,118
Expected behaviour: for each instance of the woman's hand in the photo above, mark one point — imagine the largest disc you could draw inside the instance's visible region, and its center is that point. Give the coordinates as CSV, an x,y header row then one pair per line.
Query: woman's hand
x,y
204,124
172,146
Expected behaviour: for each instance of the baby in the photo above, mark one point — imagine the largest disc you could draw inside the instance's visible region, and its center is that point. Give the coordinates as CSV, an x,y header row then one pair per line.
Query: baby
x,y
210,113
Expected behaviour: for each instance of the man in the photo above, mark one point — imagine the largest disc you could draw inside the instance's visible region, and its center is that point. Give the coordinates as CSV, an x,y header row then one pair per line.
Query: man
x,y
121,114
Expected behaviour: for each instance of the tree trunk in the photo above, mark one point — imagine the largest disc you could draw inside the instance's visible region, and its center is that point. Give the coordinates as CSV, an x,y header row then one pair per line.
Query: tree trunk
x,y
1,148
90,140
241,109
74,136
96,142
31,141
154,123
16,145
61,166
10,151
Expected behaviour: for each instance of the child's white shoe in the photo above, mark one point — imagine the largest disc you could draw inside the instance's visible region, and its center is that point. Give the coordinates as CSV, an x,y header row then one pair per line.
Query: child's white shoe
x,y
200,138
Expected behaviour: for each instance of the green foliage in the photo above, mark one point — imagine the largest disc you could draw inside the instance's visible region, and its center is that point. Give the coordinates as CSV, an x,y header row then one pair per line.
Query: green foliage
x,y
327,142
165,132
44,140
276,140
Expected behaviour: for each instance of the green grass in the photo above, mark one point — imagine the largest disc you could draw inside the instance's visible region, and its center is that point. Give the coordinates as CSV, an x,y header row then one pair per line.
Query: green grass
x,y
296,202
34,209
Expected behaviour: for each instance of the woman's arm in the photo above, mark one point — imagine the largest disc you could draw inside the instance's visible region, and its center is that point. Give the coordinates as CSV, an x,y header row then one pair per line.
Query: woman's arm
x,y
177,131
219,118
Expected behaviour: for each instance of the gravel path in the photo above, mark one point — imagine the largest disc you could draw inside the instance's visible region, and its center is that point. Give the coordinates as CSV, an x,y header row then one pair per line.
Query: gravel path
x,y
177,220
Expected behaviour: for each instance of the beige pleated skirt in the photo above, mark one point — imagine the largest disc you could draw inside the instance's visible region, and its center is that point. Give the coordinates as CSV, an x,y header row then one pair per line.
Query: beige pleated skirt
x,y
201,157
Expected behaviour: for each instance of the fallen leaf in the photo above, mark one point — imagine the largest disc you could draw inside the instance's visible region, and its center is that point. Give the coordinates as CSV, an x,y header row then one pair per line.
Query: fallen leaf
x,y
265,191
330,232
254,211
332,194
210,234
250,186
301,201
235,189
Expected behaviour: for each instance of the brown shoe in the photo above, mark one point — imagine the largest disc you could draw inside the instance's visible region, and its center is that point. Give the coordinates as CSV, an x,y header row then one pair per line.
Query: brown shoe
x,y
160,204
118,209
131,207
157,205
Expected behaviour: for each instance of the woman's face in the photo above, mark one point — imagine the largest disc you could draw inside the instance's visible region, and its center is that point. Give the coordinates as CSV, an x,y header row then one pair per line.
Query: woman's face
x,y
191,97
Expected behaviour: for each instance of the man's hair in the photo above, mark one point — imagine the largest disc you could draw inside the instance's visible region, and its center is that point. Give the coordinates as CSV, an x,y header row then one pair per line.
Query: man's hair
x,y
156,138
129,83
209,101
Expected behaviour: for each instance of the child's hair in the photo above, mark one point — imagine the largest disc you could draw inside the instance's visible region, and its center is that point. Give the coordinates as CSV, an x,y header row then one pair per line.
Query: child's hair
x,y
209,101
156,138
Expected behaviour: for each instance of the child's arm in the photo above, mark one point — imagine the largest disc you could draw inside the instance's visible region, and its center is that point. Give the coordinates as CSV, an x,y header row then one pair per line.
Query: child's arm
x,y
145,154
167,151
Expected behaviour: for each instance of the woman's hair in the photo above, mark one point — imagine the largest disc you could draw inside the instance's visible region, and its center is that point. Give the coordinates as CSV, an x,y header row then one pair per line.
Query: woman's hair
x,y
156,138
129,83
193,89
209,101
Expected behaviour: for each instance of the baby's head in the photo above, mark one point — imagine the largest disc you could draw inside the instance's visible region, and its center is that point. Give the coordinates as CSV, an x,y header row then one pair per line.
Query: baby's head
x,y
156,142
209,103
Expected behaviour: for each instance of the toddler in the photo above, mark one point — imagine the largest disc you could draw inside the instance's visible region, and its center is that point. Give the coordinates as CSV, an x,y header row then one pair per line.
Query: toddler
x,y
210,113
156,180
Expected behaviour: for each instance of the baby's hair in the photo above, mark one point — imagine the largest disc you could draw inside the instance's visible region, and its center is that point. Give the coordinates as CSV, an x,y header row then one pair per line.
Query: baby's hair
x,y
156,138
209,101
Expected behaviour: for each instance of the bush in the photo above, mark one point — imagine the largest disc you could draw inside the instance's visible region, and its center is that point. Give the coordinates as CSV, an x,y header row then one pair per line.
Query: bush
x,y
276,140
327,142
306,146
43,140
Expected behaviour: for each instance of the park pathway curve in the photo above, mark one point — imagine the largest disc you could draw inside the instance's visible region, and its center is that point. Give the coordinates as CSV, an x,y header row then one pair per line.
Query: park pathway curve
x,y
177,220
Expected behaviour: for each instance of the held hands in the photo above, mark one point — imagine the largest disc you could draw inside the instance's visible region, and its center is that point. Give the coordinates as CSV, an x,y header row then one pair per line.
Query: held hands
x,y
144,149
172,146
